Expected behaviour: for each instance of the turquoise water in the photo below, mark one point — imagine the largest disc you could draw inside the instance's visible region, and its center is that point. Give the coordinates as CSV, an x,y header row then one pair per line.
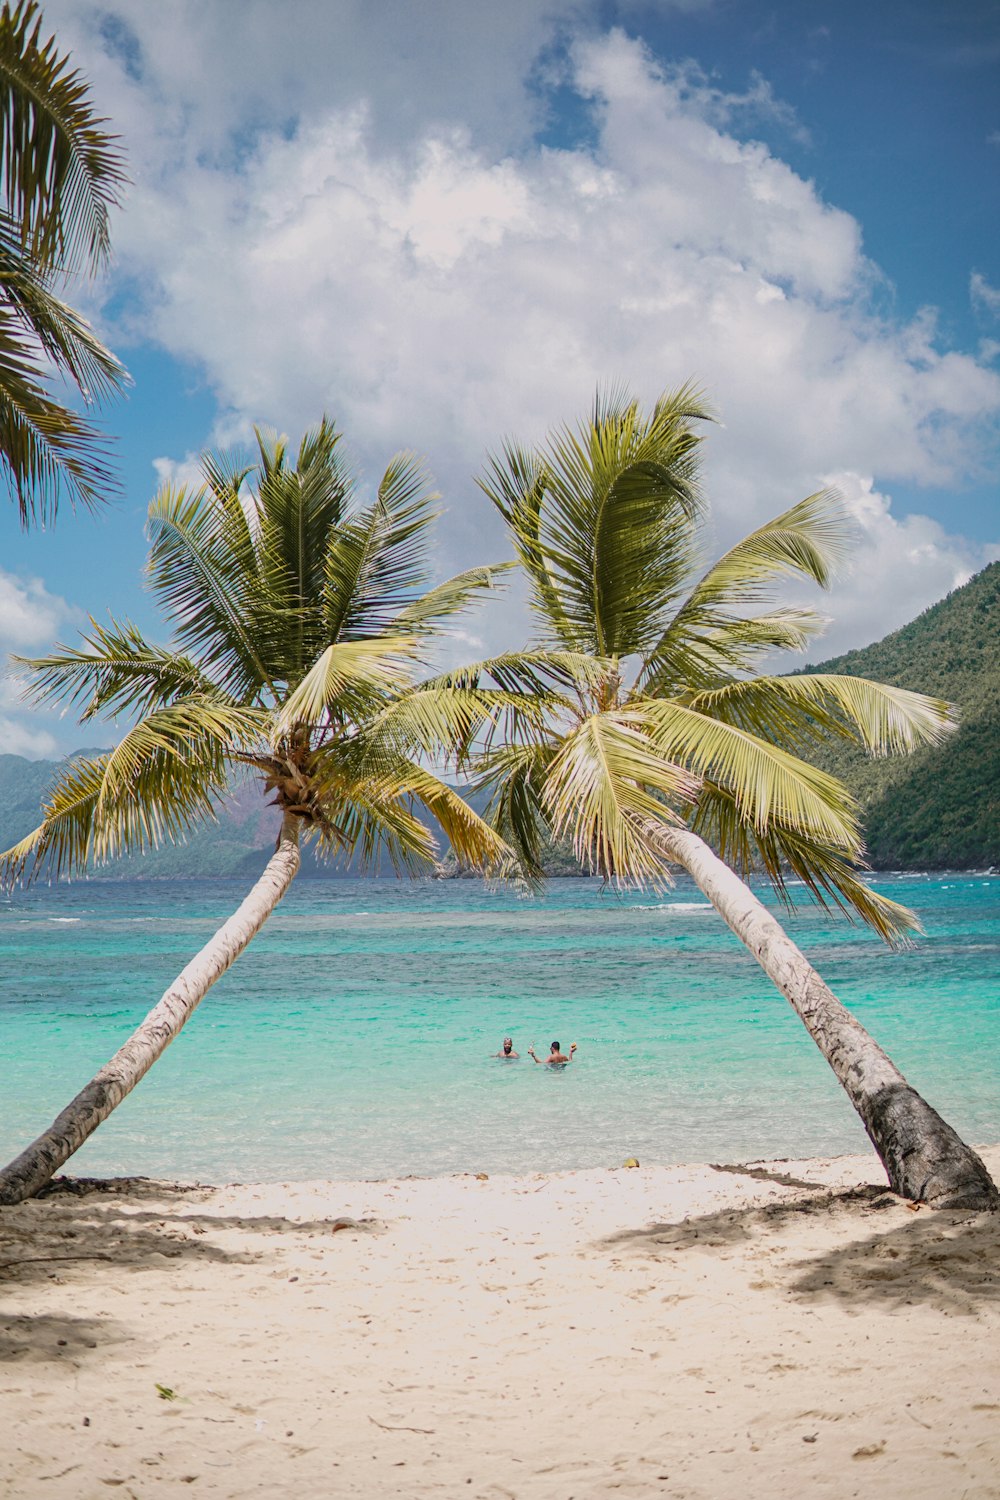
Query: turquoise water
x,y
353,1038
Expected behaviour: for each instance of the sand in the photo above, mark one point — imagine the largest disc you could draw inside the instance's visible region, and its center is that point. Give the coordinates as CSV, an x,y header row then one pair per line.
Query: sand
x,y
782,1330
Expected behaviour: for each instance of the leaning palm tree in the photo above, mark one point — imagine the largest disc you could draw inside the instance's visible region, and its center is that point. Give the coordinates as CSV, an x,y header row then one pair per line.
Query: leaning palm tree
x,y
300,614
679,751
60,174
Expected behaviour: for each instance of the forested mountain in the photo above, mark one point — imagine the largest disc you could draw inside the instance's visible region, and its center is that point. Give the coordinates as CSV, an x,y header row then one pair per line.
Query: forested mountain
x,y
937,809
940,808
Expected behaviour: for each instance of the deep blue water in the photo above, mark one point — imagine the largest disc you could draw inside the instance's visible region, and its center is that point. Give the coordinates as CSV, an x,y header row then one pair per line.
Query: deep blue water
x,y
353,1038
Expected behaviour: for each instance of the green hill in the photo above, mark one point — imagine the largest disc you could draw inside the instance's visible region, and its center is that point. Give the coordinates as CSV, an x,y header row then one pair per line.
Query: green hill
x,y
939,808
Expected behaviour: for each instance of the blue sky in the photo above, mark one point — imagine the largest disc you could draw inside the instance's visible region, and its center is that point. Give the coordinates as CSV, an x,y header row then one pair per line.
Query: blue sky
x,y
448,222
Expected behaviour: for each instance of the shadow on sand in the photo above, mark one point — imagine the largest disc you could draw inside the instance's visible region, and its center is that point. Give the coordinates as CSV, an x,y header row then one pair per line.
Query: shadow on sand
x,y
79,1221
878,1250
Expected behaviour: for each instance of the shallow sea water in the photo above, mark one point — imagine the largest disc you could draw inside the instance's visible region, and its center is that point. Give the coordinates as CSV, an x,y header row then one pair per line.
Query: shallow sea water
x,y
354,1037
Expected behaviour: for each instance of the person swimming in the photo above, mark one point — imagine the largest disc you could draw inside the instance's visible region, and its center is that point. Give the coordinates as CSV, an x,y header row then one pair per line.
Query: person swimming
x,y
556,1058
507,1054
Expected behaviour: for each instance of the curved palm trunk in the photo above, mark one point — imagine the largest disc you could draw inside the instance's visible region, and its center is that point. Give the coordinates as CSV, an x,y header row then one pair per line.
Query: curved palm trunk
x,y
924,1158
30,1171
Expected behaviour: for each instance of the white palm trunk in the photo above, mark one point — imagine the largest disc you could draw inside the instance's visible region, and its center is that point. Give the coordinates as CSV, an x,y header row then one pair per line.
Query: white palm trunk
x,y
924,1158
30,1171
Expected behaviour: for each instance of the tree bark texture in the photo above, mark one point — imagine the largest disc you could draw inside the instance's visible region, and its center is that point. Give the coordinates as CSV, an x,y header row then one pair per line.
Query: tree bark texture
x,y
925,1159
30,1171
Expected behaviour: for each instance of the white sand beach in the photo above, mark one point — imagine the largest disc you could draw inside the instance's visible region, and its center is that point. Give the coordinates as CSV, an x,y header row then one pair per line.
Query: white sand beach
x,y
780,1330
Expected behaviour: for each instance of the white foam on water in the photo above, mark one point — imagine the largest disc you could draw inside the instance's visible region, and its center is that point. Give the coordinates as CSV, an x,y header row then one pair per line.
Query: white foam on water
x,y
676,906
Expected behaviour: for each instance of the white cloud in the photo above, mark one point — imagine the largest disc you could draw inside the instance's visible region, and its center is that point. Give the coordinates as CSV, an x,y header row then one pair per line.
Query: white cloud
x,y
29,615
25,737
317,233
897,569
30,619
985,298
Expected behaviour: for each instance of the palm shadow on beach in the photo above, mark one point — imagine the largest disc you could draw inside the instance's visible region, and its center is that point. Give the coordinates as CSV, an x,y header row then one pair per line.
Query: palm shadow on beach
x,y
77,1222
946,1260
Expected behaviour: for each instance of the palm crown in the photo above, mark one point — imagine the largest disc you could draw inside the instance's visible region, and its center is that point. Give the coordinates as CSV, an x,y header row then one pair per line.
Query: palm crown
x,y
677,725
300,613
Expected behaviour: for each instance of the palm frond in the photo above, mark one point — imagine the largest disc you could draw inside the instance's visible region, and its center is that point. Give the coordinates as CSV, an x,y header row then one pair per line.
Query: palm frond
x,y
806,709
378,559
115,671
781,853
296,511
768,782
63,337
47,451
515,482
438,721
598,792
61,169
170,795
808,540
602,519
427,613
197,732
207,582
474,842
516,775
345,680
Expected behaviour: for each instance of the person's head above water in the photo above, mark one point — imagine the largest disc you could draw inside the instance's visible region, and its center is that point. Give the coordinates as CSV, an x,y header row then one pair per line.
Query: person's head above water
x,y
555,1047
508,1044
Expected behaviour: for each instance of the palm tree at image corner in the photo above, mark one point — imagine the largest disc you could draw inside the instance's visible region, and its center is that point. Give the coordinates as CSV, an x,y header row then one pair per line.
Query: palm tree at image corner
x,y
300,614
675,749
61,173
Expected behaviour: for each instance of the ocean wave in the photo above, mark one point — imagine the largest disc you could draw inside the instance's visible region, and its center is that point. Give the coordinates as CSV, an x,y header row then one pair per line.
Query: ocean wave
x,y
676,906
65,919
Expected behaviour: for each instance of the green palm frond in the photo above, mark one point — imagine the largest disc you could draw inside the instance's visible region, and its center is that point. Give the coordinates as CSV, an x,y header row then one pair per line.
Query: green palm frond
x,y
516,774
61,169
378,559
782,853
556,675
47,451
427,613
515,482
474,841
768,782
808,540
295,512
171,794
210,587
197,731
712,629
601,519
596,792
805,710
115,671
348,680
371,824
439,721
63,337
61,842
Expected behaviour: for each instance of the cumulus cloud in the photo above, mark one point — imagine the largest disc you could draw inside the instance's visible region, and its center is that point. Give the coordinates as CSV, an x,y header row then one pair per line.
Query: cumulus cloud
x,y
30,619
317,236
915,548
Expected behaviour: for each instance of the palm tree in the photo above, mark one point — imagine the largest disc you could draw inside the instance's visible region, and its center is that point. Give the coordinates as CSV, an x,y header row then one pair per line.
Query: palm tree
x,y
60,173
677,750
299,616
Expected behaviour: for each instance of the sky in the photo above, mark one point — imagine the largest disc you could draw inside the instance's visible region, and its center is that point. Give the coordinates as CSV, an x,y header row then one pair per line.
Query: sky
x,y
447,222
